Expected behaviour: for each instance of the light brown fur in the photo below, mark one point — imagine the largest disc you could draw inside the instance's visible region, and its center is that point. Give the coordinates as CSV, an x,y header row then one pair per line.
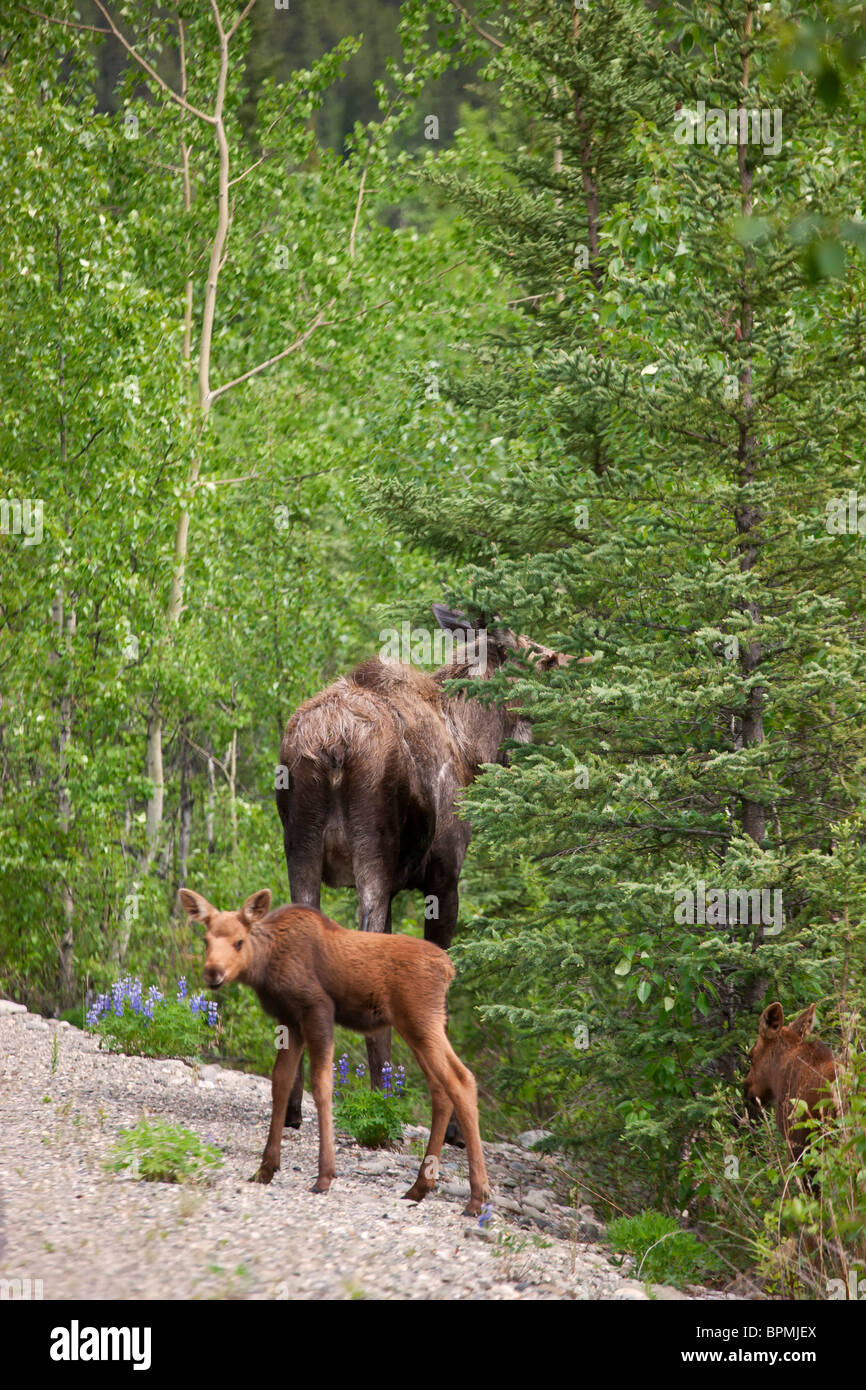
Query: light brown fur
x,y
310,973
787,1065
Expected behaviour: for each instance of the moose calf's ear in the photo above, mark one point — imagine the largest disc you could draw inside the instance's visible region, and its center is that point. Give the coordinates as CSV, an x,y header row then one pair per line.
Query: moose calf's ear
x,y
195,905
804,1022
256,906
771,1022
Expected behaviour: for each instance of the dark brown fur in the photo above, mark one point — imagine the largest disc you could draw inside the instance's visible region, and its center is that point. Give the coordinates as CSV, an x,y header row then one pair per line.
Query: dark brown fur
x,y
375,764
310,974
786,1066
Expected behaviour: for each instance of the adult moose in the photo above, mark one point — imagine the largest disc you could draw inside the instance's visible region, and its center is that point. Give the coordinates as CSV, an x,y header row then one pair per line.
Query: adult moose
x,y
373,765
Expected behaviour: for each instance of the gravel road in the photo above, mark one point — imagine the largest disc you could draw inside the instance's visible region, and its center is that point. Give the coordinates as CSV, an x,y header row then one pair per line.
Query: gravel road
x,y
88,1233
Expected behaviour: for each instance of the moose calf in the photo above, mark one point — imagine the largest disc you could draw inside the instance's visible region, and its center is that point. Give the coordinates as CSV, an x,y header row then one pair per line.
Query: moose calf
x,y
310,973
786,1066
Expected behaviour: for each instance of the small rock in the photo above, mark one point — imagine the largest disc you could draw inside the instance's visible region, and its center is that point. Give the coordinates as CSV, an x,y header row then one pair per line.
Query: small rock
x,y
536,1198
666,1293
530,1137
590,1230
506,1204
631,1293
8,1006
454,1189
374,1165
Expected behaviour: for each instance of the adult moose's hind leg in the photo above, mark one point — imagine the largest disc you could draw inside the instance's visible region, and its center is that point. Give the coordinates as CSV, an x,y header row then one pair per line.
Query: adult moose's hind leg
x,y
441,901
305,887
374,914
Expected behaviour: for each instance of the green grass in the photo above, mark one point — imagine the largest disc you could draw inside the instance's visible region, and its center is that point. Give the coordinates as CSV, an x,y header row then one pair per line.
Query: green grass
x,y
665,1253
154,1151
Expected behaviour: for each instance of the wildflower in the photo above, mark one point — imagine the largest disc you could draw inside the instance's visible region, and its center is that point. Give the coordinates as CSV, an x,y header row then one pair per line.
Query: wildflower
x,y
212,1012
387,1073
360,1070
399,1081
486,1215
181,989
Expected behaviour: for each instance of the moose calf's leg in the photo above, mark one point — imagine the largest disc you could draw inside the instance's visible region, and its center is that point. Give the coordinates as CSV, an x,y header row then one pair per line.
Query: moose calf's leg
x,y
285,1067
460,1083
429,1170
322,1081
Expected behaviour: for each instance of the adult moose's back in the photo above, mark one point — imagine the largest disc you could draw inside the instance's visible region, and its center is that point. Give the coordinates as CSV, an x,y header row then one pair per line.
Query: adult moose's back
x,y
373,765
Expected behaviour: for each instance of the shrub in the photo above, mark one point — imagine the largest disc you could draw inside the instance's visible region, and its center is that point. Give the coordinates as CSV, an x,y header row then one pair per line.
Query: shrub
x,y
155,1151
374,1118
665,1253
151,1025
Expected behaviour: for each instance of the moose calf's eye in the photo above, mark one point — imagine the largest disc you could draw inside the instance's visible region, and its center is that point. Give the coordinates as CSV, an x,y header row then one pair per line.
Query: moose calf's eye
x,y
238,944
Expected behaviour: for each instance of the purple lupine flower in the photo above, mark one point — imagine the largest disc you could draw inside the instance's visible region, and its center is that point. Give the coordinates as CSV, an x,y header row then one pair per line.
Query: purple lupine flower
x,y
360,1070
486,1215
212,1012
387,1074
181,989
344,1069
399,1081
147,1008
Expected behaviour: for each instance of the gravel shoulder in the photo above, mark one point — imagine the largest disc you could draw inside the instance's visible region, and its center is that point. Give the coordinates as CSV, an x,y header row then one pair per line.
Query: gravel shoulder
x,y
89,1234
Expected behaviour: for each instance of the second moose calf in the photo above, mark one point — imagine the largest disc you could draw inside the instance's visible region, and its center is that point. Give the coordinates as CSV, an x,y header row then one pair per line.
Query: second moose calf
x,y
310,973
786,1066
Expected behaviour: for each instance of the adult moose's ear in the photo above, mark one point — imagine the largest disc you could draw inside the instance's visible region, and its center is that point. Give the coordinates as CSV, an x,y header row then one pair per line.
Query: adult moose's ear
x,y
480,646
451,621
196,906
256,906
771,1022
803,1024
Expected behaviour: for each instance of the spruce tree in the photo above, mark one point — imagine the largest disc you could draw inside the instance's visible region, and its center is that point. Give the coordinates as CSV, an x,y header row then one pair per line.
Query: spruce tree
x,y
677,396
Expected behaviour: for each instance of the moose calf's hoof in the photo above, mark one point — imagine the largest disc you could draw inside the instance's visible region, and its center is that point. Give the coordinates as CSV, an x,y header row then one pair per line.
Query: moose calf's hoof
x,y
293,1120
264,1174
320,1186
472,1208
415,1193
